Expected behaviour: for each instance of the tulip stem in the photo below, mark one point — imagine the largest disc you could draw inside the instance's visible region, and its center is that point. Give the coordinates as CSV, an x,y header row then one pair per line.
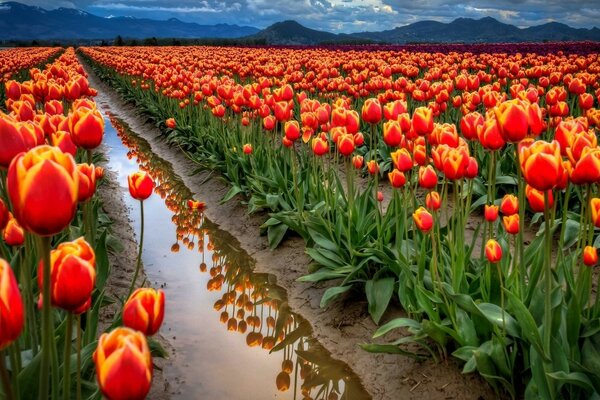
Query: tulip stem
x,y
548,276
78,368
139,257
47,323
67,358
5,378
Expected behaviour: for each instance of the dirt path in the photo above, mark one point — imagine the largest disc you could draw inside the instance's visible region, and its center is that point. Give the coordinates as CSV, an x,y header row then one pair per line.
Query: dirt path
x,y
342,326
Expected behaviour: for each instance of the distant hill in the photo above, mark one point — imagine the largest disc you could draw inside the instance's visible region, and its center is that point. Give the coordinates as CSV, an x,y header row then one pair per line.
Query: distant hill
x,y
484,30
22,22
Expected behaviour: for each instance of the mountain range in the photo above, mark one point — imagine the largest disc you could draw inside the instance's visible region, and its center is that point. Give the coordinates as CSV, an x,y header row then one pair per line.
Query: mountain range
x,y
23,22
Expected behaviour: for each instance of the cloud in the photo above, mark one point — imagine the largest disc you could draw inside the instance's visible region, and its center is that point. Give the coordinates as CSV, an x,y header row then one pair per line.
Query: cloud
x,y
343,15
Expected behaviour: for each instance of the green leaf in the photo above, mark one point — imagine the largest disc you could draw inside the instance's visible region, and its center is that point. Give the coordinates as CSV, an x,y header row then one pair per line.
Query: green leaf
x,y
275,234
157,349
495,315
396,324
529,328
332,293
387,348
379,292
231,194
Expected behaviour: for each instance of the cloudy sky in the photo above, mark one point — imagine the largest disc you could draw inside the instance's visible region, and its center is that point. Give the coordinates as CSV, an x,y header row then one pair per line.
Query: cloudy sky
x,y
342,15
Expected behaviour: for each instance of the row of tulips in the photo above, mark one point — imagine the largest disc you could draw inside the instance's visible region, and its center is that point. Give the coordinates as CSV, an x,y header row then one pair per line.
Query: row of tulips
x,y
518,309
54,234
247,303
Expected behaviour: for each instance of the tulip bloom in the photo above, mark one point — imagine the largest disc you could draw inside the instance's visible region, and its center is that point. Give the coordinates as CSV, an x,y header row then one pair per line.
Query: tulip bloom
x,y
87,128
392,133
427,177
123,365
590,256
595,207
12,141
397,178
319,146
511,224
423,219
541,164
489,135
145,310
170,123
422,121
4,215
372,167
433,201
87,181
42,186
371,111
536,199
13,233
345,144
493,251
72,275
247,148
470,123
513,121
491,213
509,204
11,306
292,130
358,161
402,160
140,185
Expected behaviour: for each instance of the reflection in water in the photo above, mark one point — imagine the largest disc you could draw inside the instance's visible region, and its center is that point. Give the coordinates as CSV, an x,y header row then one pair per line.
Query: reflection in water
x,y
246,303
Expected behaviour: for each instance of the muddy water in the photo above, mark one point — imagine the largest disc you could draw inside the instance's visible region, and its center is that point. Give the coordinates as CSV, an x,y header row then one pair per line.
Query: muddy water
x,y
234,335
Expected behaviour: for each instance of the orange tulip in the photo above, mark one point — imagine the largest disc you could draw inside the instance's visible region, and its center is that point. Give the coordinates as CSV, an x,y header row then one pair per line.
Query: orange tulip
x,y
87,128
422,121
491,212
427,177
292,130
319,146
269,122
392,133
196,205
140,185
513,121
358,161
12,141
493,251
541,164
13,233
123,365
489,135
470,123
509,204
423,219
145,310
372,167
72,275
87,181
371,111
345,144
536,199
590,256
402,160
170,123
11,306
595,207
62,140
587,169
42,185
397,178
433,201
511,224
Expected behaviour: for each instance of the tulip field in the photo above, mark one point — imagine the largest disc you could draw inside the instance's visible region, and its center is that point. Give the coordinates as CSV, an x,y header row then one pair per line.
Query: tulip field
x,y
380,158
456,184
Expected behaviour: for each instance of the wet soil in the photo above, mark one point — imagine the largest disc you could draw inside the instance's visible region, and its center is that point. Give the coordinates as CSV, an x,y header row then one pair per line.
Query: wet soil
x,y
341,327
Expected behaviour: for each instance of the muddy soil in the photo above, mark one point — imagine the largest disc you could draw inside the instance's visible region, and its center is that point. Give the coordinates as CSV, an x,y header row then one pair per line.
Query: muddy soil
x,y
341,327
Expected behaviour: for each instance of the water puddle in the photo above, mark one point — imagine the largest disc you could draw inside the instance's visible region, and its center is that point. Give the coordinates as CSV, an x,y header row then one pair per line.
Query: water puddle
x,y
233,332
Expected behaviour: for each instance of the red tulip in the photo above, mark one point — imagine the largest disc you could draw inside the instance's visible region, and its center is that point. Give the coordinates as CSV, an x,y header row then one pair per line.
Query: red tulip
x,y
247,148
140,185
87,128
397,178
511,224
427,177
13,233
493,251
145,310
11,306
371,111
509,204
491,212
590,256
433,201
123,365
423,219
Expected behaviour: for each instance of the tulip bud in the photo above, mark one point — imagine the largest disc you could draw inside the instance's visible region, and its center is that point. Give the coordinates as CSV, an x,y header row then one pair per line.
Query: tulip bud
x,y
13,233
397,178
11,306
145,310
590,256
123,365
509,204
247,148
87,182
140,185
491,213
493,251
358,161
433,201
72,276
170,123
423,219
372,167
